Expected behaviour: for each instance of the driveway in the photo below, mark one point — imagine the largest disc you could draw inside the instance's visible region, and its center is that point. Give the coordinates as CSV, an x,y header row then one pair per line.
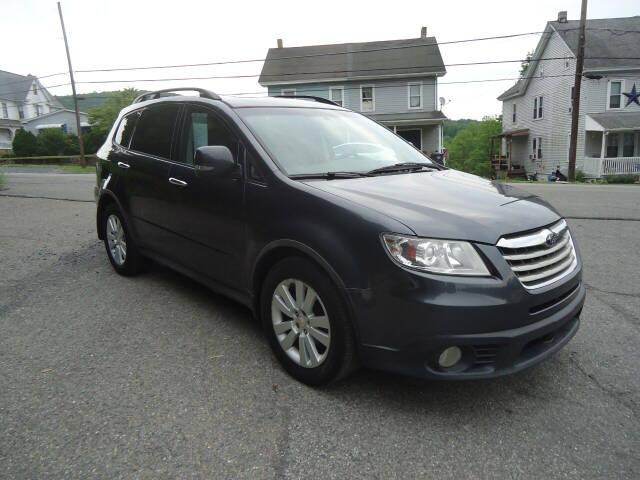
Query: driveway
x,y
157,377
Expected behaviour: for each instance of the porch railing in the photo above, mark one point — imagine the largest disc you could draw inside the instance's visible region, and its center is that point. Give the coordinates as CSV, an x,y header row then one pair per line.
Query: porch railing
x,y
597,167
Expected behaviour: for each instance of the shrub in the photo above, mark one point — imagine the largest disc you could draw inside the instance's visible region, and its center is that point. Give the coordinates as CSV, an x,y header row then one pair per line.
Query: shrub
x,y
1,180
94,139
51,141
71,145
25,144
580,176
630,178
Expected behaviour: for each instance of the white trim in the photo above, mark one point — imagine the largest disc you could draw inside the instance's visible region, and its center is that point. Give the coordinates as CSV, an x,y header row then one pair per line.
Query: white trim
x,y
410,130
341,88
284,90
621,80
373,98
348,79
420,106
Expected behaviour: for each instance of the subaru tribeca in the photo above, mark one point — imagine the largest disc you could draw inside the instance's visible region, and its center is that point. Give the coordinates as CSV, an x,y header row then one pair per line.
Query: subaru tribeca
x,y
349,245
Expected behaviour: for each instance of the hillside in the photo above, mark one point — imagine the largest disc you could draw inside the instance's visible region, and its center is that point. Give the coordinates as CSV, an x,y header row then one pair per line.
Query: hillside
x,y
86,101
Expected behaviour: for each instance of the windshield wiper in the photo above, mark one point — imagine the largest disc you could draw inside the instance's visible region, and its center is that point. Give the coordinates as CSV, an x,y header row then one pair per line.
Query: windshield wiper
x,y
399,167
329,175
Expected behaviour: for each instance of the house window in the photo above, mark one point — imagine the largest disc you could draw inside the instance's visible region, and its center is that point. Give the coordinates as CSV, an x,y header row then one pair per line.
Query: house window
x,y
5,111
536,147
35,88
367,102
571,98
537,107
628,141
20,112
567,63
415,95
38,110
615,90
336,95
513,114
288,92
612,145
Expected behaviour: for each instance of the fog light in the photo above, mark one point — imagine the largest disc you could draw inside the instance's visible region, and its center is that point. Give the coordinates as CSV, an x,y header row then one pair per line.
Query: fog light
x,y
450,357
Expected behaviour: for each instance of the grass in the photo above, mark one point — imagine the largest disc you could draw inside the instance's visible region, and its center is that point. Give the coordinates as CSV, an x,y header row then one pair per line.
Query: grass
x,y
1,180
64,168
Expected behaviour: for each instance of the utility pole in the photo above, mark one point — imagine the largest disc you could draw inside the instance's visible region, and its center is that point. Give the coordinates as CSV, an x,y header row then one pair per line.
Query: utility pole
x,y
83,160
573,145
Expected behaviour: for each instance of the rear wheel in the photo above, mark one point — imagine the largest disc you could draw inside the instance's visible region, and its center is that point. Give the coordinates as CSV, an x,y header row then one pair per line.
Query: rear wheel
x,y
121,250
306,323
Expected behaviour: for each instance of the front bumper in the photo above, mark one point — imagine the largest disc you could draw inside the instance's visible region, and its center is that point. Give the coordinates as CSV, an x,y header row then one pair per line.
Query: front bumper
x,y
405,323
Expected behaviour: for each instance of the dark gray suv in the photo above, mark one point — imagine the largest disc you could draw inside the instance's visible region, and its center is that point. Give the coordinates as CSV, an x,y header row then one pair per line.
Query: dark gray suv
x,y
347,243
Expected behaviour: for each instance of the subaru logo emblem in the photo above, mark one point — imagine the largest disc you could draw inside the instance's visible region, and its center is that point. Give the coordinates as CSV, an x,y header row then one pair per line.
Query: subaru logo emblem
x,y
552,239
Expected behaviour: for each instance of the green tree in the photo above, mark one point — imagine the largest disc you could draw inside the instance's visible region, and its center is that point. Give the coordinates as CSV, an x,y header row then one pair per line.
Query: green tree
x,y
102,118
470,150
524,65
25,144
51,141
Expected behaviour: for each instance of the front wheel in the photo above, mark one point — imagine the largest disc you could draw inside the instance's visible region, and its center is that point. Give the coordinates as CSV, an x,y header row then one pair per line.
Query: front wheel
x,y
306,323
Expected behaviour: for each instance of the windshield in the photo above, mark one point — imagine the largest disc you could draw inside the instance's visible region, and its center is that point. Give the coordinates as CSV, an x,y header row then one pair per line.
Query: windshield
x,y
305,141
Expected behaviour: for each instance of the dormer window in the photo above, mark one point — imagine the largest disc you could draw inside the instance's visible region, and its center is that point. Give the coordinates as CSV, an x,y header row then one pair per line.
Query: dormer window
x,y
35,88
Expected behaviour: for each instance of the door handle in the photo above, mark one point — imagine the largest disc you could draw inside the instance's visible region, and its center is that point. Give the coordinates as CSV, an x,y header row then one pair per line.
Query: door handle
x,y
178,182
123,165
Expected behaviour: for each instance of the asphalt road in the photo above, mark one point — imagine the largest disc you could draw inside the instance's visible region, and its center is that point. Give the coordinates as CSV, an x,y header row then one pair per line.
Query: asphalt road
x,y
157,377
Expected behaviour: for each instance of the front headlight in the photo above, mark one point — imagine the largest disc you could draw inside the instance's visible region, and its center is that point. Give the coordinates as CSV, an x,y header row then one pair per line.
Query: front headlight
x,y
452,257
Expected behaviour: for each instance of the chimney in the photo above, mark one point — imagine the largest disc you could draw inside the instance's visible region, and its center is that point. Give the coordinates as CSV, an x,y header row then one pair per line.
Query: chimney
x,y
423,32
279,43
562,17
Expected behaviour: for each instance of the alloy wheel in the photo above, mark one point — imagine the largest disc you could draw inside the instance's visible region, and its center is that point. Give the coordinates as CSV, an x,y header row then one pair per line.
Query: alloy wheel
x,y
301,323
116,240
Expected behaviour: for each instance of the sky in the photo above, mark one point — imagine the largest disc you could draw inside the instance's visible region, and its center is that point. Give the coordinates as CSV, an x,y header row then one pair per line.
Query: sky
x,y
135,33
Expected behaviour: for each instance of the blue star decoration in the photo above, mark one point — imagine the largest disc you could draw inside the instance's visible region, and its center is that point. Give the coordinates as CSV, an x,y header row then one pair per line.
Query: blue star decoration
x,y
632,96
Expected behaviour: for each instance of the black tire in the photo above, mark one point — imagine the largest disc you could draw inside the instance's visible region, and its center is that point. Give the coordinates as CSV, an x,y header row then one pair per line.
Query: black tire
x,y
133,260
341,359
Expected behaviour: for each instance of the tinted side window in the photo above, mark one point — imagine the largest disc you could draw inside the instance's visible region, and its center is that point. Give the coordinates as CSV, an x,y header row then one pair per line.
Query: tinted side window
x,y
125,130
203,128
252,168
155,129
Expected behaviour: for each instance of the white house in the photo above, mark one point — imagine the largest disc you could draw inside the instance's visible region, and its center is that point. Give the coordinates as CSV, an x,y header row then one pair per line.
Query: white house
x,y
25,103
395,82
536,111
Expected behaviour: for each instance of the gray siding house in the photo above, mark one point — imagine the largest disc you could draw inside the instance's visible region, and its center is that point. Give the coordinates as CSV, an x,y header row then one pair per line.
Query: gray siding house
x,y
393,82
25,103
536,111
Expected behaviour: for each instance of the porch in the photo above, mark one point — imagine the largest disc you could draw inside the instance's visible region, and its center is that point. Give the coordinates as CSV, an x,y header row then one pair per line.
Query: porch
x,y
612,144
512,145
422,129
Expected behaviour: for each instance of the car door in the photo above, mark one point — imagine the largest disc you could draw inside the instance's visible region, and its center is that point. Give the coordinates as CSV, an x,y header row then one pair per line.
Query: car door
x,y
206,211
148,163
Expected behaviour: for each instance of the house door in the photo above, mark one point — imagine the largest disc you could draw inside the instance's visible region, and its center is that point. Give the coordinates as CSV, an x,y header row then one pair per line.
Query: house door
x,y
413,136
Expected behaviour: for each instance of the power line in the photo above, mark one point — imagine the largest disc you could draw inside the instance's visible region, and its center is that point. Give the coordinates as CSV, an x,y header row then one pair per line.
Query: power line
x,y
397,47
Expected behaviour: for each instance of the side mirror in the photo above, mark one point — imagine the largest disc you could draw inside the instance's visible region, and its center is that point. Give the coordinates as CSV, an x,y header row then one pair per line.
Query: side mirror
x,y
215,160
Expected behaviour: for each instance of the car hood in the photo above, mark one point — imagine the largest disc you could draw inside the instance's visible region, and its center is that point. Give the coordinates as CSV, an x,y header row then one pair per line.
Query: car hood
x,y
446,203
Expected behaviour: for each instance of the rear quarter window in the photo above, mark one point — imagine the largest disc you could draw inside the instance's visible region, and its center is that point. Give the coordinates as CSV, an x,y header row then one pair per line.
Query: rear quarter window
x,y
154,130
125,130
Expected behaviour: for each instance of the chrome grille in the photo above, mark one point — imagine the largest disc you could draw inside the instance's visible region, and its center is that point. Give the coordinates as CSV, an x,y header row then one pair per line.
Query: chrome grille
x,y
540,258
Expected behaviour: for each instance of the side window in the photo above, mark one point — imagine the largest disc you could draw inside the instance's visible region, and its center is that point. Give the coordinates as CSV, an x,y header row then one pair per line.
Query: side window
x,y
203,128
125,130
253,172
155,130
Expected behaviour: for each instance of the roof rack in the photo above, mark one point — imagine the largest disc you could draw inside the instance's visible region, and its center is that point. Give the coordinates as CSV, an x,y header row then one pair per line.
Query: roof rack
x,y
309,97
204,93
